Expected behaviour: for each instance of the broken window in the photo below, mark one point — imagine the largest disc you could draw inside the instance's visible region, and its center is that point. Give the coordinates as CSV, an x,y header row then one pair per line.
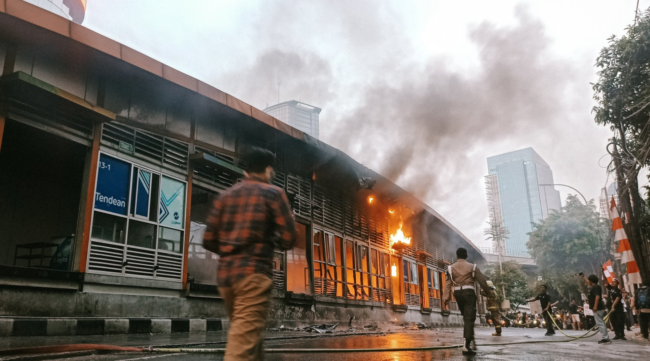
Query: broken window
x,y
328,270
433,281
380,269
411,284
297,264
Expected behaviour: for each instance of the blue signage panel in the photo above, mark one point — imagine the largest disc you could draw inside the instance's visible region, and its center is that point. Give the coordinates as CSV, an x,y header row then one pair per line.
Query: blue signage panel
x,y
112,189
172,203
142,201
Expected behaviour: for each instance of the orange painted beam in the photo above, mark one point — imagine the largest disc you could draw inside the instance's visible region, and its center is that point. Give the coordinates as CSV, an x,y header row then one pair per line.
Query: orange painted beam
x,y
188,211
90,196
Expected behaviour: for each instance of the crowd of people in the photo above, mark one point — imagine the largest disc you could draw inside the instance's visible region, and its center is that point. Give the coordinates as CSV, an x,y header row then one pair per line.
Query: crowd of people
x,y
626,312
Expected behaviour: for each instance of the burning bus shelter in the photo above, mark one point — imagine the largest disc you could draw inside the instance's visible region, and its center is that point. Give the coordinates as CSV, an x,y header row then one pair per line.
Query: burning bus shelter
x,y
109,162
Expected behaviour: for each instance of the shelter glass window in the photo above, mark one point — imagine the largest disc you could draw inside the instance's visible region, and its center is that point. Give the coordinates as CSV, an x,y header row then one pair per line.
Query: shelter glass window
x,y
201,263
109,228
150,208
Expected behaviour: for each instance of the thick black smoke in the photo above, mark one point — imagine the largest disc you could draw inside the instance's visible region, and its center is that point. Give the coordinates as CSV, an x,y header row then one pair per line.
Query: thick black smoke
x,y
427,126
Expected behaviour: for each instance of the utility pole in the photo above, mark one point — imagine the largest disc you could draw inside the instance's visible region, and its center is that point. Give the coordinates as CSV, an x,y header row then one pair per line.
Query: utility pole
x,y
630,203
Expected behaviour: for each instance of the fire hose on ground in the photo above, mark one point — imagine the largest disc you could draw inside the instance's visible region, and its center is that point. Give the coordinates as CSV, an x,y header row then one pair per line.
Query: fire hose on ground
x,y
100,347
588,334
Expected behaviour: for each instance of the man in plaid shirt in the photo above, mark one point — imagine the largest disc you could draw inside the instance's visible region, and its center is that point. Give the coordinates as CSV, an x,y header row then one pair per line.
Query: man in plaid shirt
x,y
245,224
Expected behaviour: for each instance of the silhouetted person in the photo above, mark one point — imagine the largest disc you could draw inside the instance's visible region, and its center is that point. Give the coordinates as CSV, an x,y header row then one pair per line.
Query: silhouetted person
x,y
545,300
597,305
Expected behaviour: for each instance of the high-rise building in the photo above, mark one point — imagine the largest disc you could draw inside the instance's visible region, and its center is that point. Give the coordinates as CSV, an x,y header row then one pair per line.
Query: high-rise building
x,y
525,195
299,115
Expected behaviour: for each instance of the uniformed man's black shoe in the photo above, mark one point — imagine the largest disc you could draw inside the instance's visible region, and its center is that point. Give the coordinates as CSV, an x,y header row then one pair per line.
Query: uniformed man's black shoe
x,y
549,334
468,351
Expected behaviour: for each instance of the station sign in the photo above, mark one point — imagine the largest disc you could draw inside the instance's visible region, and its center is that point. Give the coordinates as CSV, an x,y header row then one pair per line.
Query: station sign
x,y
112,189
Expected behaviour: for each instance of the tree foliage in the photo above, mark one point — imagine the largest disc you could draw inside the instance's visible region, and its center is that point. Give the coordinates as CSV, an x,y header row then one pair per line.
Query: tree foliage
x,y
623,87
574,239
623,103
514,279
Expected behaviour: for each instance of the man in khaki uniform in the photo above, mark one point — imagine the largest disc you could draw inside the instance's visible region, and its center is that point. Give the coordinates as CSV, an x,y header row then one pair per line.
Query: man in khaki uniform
x,y
461,277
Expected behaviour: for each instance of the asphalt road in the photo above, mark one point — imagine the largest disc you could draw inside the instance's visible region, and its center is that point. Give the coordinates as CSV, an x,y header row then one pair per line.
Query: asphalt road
x,y
584,349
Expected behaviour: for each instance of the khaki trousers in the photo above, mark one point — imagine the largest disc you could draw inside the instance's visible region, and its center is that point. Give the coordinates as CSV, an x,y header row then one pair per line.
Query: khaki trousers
x,y
247,304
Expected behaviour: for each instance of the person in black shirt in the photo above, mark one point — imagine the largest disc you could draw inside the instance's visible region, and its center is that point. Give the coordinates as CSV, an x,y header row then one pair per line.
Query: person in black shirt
x,y
575,315
545,300
596,304
616,297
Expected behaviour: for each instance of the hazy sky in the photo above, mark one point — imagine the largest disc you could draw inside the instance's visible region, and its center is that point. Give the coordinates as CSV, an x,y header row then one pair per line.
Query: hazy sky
x,y
420,91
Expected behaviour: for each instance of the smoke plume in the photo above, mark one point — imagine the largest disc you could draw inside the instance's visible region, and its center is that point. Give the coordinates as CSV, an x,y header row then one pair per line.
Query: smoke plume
x,y
427,126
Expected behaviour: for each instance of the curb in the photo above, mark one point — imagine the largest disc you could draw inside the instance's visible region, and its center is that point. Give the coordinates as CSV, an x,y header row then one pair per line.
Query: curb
x,y
27,326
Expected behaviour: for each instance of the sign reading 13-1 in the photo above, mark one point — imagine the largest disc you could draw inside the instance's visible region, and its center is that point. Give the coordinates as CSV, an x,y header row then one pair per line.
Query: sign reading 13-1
x,y
112,184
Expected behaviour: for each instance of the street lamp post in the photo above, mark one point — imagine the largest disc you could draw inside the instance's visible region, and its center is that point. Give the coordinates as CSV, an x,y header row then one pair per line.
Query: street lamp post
x,y
564,185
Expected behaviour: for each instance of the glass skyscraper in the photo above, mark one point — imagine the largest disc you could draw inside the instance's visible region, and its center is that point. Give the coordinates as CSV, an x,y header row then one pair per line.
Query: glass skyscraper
x,y
523,198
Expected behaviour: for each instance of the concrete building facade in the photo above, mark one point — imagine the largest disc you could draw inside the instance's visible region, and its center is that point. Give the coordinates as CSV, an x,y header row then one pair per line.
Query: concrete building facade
x,y
109,161
524,193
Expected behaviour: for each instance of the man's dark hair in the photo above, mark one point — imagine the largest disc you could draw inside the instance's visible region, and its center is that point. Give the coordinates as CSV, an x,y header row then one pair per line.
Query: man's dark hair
x,y
257,159
545,288
593,279
461,253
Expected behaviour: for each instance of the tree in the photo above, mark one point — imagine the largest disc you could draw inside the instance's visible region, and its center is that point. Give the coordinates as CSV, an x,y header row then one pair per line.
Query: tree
x,y
514,280
623,96
574,239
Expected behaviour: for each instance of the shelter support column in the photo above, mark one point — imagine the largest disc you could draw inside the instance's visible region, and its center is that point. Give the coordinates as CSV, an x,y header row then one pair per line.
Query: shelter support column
x,y
90,195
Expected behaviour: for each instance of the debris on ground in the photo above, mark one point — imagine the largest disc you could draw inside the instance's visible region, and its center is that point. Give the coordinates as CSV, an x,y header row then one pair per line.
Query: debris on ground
x,y
324,328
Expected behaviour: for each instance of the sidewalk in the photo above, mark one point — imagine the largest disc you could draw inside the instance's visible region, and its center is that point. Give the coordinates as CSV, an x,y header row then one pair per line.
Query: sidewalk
x,y
533,348
216,338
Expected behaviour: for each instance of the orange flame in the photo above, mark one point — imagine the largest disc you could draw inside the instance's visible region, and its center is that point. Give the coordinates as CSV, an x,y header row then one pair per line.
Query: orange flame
x,y
370,199
399,237
391,211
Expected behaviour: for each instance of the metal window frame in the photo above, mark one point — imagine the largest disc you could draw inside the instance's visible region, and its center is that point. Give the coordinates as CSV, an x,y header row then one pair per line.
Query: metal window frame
x,y
157,224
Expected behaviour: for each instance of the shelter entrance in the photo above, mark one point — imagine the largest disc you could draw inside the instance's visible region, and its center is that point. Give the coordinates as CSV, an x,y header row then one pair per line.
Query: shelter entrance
x,y
40,189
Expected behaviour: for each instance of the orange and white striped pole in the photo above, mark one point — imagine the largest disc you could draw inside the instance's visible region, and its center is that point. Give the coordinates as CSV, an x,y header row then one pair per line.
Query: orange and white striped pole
x,y
624,247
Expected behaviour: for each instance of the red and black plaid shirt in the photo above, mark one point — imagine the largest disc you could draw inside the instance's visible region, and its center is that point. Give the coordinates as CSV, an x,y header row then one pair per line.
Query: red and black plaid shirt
x,y
245,224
